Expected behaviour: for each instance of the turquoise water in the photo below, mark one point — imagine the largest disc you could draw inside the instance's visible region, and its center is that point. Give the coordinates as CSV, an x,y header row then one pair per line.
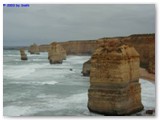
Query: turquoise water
x,y
36,88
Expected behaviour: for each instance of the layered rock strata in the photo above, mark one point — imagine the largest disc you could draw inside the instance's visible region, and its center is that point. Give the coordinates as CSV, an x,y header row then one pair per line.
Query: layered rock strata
x,y
56,53
23,55
34,49
114,81
86,68
143,43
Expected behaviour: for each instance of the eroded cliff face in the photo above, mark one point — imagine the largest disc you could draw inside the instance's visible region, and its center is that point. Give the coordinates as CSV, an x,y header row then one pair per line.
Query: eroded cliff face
x,y
23,55
114,81
34,49
86,47
86,68
83,47
56,53
143,43
44,48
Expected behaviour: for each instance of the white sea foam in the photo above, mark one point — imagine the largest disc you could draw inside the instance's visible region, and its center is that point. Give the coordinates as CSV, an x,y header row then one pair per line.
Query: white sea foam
x,y
16,72
78,59
43,74
16,110
148,94
78,101
36,82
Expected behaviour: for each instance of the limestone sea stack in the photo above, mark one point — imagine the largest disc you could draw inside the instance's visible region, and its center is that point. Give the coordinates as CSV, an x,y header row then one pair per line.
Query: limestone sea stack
x,y
23,55
56,53
86,68
114,81
34,49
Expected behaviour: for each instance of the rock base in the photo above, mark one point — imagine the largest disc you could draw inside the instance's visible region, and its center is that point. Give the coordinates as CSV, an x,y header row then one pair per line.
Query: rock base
x,y
23,55
114,81
55,62
115,101
86,68
24,58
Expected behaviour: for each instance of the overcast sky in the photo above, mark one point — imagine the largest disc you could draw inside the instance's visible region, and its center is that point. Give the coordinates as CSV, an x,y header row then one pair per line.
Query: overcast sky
x,y
44,24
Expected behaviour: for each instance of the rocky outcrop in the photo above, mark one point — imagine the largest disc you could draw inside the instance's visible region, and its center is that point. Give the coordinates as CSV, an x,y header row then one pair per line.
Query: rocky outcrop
x,y
114,81
77,47
44,48
86,68
23,55
151,59
143,43
56,53
83,47
34,49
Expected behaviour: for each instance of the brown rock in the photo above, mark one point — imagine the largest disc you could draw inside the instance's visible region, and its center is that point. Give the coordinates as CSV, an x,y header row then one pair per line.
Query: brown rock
x,y
86,68
23,55
149,112
143,43
56,53
114,75
44,48
34,49
79,47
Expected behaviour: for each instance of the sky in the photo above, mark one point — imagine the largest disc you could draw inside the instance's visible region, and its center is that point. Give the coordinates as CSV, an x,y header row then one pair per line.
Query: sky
x,y
45,23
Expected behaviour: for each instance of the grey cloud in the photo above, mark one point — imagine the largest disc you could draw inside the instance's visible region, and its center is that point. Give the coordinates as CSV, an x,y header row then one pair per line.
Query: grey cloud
x,y
46,23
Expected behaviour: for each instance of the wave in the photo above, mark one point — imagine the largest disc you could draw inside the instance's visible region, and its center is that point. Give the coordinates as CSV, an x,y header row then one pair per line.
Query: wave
x,y
36,82
16,110
148,94
18,71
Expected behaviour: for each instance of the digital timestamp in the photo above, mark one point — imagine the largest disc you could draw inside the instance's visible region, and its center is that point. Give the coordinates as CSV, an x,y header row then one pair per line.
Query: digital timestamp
x,y
16,5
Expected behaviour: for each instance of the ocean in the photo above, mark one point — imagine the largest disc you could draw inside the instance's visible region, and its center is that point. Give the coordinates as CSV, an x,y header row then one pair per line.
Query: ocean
x,y
36,88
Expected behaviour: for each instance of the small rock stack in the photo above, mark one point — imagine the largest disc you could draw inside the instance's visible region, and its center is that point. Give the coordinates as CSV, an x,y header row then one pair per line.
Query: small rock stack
x,y
34,49
23,55
86,68
114,81
56,53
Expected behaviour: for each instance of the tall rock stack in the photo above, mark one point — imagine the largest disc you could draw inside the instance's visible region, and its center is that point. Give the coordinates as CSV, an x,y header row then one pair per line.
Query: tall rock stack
x,y
62,51
23,55
86,68
56,53
34,49
114,81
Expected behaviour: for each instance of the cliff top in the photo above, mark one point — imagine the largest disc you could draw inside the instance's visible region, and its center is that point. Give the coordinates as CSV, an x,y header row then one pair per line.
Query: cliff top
x,y
115,52
133,35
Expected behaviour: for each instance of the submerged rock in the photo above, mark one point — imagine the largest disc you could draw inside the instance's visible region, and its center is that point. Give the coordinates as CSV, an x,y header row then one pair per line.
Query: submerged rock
x,y
150,112
70,69
23,55
86,68
114,81
56,53
34,49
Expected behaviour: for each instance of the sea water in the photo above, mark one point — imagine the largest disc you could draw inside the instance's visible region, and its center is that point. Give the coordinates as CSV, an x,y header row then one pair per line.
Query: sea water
x,y
36,88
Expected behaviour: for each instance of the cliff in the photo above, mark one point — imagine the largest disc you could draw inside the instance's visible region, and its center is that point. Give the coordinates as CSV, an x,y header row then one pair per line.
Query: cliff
x,y
44,48
56,53
86,68
143,43
23,55
34,49
81,47
86,47
114,81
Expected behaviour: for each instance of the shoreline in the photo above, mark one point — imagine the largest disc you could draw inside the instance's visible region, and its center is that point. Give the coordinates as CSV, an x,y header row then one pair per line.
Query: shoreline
x,y
144,74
